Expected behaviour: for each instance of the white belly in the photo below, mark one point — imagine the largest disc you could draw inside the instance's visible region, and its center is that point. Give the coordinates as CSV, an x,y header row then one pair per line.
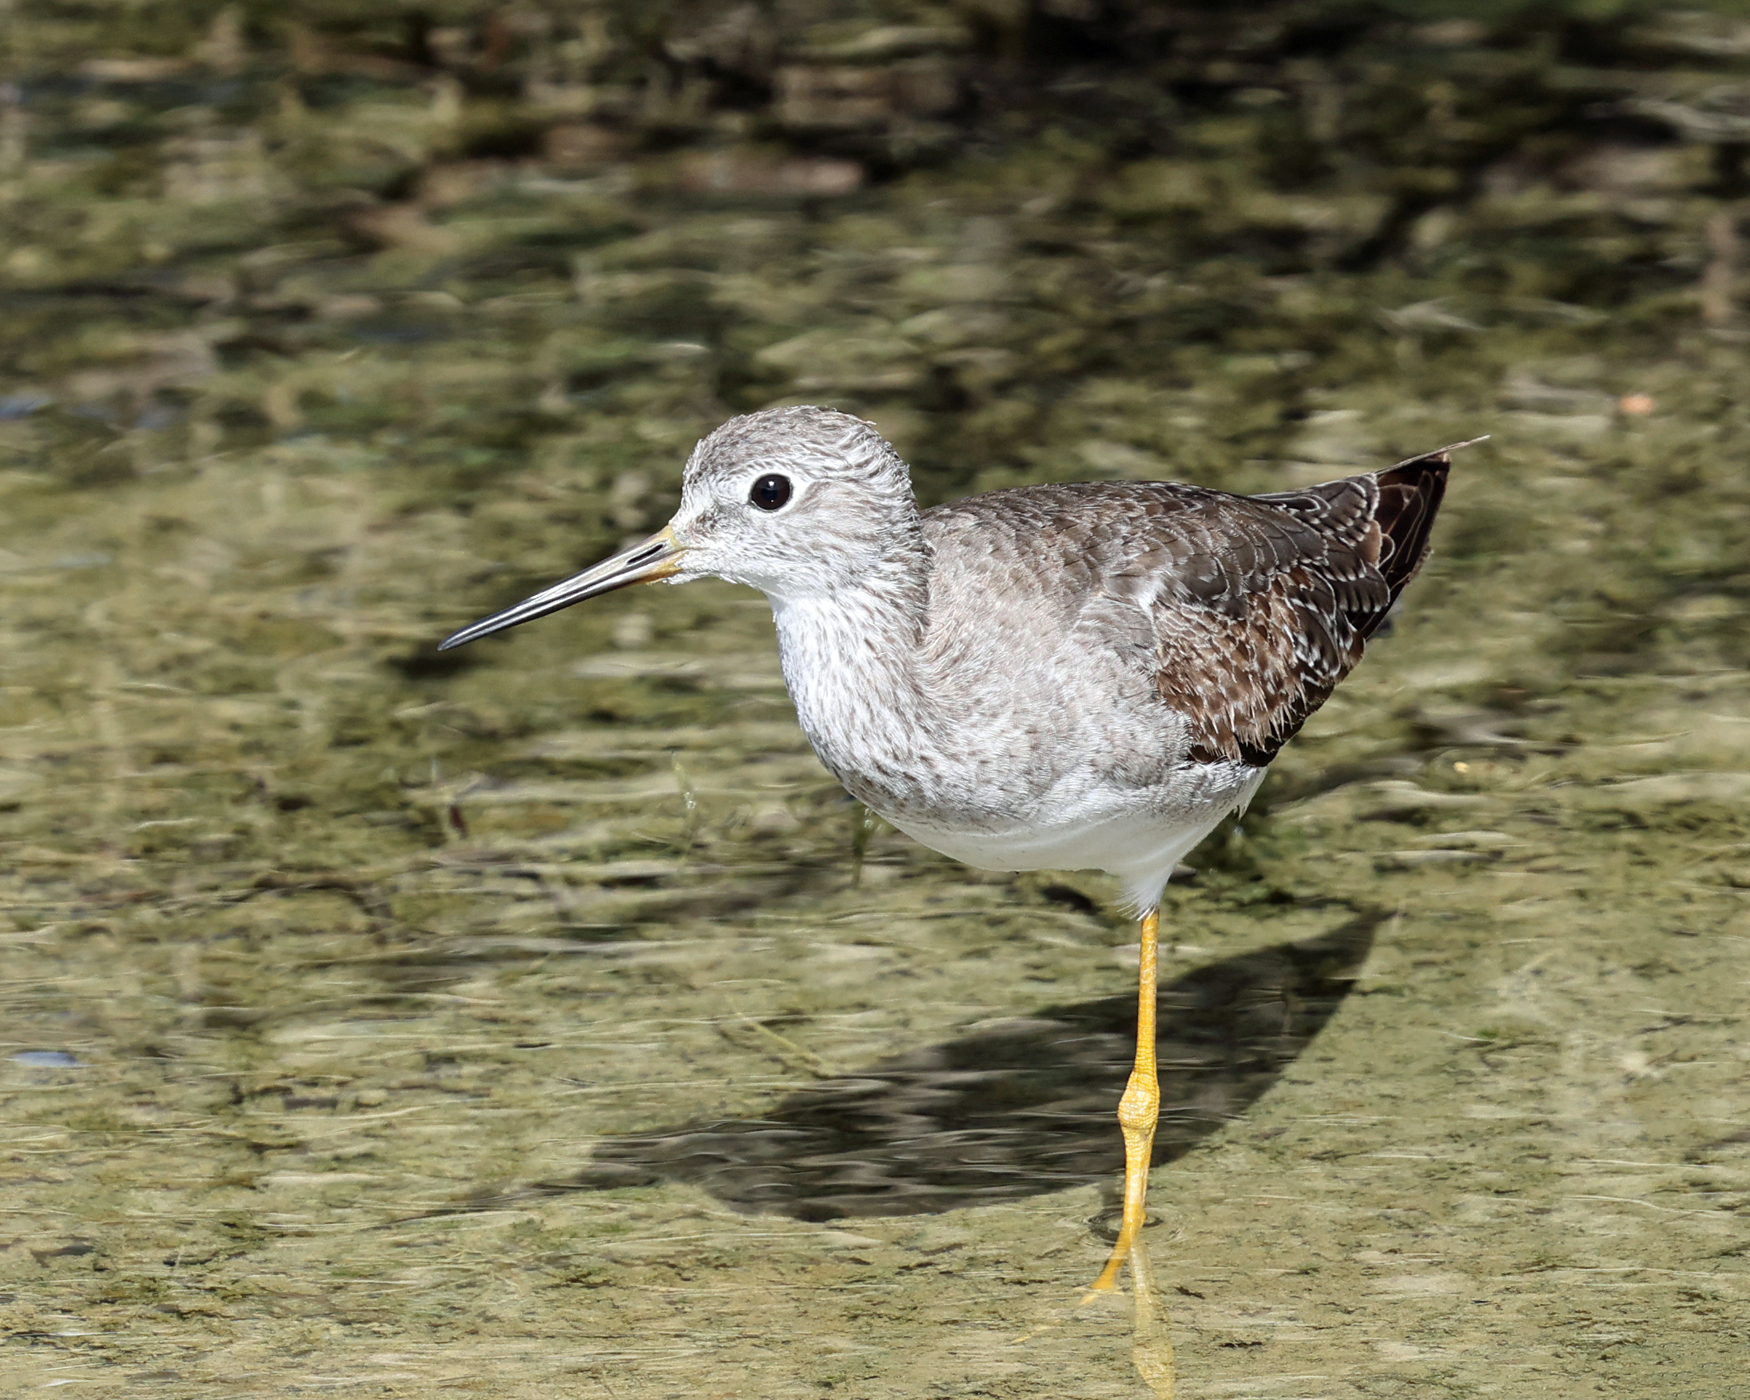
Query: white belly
x,y
1139,835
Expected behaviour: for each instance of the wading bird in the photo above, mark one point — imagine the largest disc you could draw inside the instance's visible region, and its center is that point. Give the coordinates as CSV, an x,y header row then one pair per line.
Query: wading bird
x,y
1083,676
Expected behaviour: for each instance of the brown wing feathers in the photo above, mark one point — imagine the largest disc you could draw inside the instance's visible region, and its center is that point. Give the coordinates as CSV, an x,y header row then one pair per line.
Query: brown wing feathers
x,y
1249,666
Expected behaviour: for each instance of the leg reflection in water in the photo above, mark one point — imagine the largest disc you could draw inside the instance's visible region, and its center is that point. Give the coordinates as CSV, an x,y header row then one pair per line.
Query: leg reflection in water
x,y
1151,1346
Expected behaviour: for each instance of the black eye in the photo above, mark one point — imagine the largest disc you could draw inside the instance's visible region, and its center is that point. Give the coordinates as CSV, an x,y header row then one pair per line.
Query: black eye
x,y
770,492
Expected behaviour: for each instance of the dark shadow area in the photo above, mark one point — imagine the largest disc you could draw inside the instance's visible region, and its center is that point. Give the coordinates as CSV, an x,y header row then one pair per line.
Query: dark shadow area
x,y
1012,1109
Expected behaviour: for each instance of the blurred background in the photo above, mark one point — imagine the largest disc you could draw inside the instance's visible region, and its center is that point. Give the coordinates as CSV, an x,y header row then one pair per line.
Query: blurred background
x,y
518,1020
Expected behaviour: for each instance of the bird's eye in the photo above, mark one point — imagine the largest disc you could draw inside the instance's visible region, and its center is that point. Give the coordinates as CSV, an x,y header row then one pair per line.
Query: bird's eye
x,y
770,492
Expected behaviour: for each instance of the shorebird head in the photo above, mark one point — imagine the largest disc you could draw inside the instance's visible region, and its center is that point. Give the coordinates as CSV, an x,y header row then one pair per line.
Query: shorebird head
x,y
797,502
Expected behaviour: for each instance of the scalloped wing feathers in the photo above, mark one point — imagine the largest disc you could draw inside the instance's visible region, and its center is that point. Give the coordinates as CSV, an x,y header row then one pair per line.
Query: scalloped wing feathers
x,y
1247,611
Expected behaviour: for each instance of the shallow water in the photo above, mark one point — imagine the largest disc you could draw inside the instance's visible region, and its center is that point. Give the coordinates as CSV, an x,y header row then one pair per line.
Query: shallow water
x,y
541,1019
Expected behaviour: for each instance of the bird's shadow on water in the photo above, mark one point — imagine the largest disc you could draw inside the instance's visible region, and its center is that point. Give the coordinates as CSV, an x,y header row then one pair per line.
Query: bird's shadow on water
x,y
1013,1108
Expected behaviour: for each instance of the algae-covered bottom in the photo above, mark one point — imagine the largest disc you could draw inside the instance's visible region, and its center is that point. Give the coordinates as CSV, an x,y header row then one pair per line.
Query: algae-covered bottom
x,y
297,1125
542,1020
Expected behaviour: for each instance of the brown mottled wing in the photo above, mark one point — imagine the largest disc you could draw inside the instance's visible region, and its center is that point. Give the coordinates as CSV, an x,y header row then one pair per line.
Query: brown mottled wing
x,y
1263,603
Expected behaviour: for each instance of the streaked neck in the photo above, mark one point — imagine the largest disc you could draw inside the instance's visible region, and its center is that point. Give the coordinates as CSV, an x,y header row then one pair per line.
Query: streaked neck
x,y
850,663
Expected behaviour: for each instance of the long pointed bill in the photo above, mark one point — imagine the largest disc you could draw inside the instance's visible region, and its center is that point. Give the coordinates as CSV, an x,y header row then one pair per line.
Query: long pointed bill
x,y
647,562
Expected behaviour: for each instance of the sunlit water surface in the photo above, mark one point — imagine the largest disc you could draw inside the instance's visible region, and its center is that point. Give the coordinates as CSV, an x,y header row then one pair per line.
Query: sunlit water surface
x,y
544,1020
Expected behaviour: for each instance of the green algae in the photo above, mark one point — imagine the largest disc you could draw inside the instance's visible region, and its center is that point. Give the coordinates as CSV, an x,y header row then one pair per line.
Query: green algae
x,y
320,947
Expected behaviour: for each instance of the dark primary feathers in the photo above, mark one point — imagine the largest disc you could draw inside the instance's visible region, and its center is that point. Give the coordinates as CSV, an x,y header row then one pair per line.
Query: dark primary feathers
x,y
1302,628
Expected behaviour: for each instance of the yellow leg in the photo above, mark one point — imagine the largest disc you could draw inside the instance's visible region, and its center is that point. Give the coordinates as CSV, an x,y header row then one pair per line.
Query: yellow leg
x,y
1140,1108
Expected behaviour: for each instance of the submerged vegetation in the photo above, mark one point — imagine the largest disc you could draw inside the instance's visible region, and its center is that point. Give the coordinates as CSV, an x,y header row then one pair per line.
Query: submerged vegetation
x,y
329,326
